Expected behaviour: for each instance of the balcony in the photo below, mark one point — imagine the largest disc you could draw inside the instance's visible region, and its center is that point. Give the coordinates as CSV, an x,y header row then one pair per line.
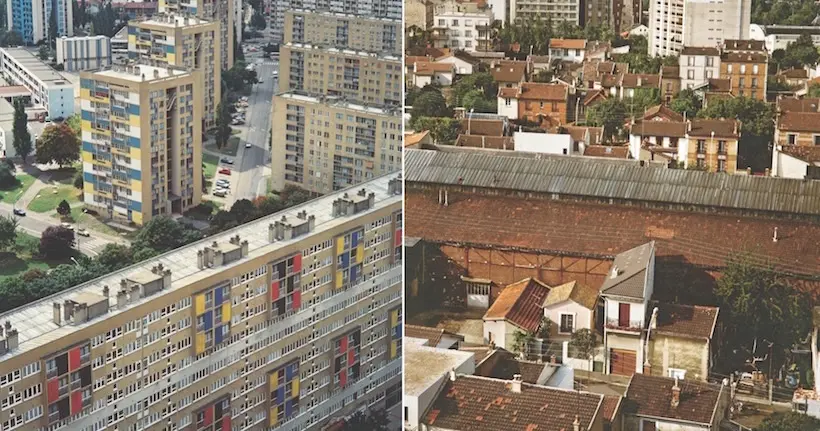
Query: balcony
x,y
630,325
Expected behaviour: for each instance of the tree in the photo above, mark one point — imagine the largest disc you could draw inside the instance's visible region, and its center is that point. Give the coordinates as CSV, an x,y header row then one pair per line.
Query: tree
x,y
294,195
686,102
79,181
583,341
757,126
43,52
267,205
609,114
521,342
22,137
814,90
373,420
161,234
430,104
442,130
545,328
104,22
75,124
12,38
56,242
757,307
223,124
7,178
115,256
63,208
789,421
800,53
481,82
243,211
476,101
8,232
258,21
58,144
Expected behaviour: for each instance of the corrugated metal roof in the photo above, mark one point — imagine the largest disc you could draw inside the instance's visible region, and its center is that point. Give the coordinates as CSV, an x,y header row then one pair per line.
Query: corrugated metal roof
x,y
588,177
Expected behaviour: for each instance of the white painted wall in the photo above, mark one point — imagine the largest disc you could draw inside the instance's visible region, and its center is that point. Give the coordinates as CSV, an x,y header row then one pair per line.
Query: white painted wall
x,y
545,143
421,81
695,71
582,315
462,67
786,166
501,333
669,426
637,311
508,110
573,55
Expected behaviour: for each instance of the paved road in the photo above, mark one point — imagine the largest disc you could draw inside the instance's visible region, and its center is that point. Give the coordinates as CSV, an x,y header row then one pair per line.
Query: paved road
x,y
251,164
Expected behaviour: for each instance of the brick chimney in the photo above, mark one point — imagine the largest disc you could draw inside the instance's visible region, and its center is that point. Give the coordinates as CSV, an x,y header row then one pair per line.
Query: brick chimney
x,y
515,387
675,394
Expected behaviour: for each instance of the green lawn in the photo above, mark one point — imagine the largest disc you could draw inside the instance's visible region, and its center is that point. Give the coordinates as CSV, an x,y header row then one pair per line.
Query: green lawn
x,y
48,200
210,162
23,257
64,176
87,221
228,150
12,195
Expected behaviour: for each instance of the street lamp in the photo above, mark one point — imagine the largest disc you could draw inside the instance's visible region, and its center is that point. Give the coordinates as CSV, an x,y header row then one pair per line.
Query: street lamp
x,y
469,119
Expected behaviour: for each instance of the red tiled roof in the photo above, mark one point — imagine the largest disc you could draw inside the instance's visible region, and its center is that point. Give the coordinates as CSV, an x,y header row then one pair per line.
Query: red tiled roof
x,y
492,142
521,304
429,68
415,138
794,73
610,407
737,57
675,129
702,127
662,111
607,151
542,91
483,127
509,71
480,403
799,122
717,85
640,80
578,133
690,321
700,50
432,335
588,228
807,104
568,43
744,45
652,396
808,154
593,96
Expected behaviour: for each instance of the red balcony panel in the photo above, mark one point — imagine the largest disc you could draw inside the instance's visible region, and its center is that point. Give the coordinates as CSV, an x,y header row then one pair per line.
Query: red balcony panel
x,y
351,356
53,386
73,359
209,415
398,237
344,343
297,299
226,423
76,402
343,378
274,290
297,263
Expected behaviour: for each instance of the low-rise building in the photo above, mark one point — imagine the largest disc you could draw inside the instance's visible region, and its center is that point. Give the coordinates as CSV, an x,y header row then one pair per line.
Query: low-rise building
x,y
418,14
519,307
747,72
509,73
501,364
84,52
570,307
683,341
49,89
463,62
794,161
568,49
429,72
668,403
545,104
631,84
434,337
697,65
711,145
543,143
670,83
796,78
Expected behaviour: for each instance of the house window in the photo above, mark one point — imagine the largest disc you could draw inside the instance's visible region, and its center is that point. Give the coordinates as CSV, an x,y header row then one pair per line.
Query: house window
x,y
721,165
816,139
441,23
541,104
554,106
700,163
676,373
721,147
647,425
729,68
690,74
567,323
690,61
710,61
577,52
741,83
754,69
742,68
701,146
709,74
754,82
455,23
792,139
507,102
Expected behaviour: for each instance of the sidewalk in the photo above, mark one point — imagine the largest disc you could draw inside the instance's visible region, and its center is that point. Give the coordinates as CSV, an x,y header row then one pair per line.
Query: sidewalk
x,y
39,184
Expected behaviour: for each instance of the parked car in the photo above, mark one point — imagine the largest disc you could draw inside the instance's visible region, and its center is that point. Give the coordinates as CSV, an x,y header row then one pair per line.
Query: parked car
x,y
225,171
223,184
248,145
220,193
19,212
84,232
226,161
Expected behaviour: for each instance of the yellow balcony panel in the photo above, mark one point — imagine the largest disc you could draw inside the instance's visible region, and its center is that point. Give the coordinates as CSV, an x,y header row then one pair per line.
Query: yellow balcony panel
x,y
120,182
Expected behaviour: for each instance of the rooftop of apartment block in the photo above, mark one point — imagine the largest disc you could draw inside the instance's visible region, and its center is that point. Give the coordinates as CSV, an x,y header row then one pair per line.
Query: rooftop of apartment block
x,y
338,103
345,51
425,365
35,321
140,73
174,20
344,15
36,67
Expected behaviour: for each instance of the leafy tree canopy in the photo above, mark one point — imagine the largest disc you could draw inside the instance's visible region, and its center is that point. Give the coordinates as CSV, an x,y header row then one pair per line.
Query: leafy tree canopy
x,y
790,421
57,242
609,114
8,231
58,144
443,130
686,102
756,116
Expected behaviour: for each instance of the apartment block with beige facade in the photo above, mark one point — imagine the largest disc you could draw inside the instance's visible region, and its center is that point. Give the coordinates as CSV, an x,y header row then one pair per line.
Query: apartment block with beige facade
x,y
339,30
324,144
748,72
190,42
712,145
280,324
357,76
221,11
141,141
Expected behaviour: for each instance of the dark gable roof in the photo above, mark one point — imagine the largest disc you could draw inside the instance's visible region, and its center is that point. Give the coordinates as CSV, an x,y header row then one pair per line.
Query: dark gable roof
x,y
670,72
700,50
481,127
521,304
744,57
492,142
627,277
607,151
744,45
432,335
807,104
674,129
717,85
588,177
808,154
509,71
506,366
799,122
651,396
702,127
662,111
543,91
640,80
688,321
479,403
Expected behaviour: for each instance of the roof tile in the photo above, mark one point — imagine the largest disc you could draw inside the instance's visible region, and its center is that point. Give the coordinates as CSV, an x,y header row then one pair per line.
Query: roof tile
x,y
521,304
652,396
691,321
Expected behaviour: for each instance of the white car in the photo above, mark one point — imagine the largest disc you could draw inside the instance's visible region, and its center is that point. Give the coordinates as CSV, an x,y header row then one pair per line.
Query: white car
x,y
248,145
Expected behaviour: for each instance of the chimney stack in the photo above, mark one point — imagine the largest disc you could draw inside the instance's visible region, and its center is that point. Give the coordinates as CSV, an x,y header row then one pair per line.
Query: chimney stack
x,y
774,238
675,394
106,291
57,317
576,424
515,387
453,375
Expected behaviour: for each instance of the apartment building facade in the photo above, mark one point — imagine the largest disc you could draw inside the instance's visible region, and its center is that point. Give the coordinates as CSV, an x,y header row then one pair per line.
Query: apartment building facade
x,y
360,76
555,11
377,9
84,52
48,88
698,65
221,11
383,35
241,331
467,31
674,24
190,42
324,144
30,18
747,73
141,141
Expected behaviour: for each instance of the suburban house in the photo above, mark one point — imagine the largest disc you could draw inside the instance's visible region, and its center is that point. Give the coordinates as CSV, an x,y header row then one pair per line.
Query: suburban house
x,y
611,152
519,307
656,140
714,89
542,103
484,126
670,82
626,293
697,65
793,77
435,337
591,98
661,113
480,403
663,403
583,136
796,161
570,307
632,83
417,139
429,72
711,144
509,73
682,341
798,122
568,49
487,142
462,62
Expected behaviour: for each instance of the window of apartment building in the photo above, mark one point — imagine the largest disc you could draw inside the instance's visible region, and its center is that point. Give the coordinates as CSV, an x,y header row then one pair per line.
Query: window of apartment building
x,y
754,69
468,23
721,167
754,82
468,43
554,106
729,68
690,74
791,139
442,23
816,139
690,61
710,74
468,33
710,61
742,68
455,23
701,146
721,147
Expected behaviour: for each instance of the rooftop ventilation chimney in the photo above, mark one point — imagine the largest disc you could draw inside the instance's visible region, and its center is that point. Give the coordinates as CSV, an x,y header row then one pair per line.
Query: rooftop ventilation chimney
x,y
615,272
515,385
675,395
576,424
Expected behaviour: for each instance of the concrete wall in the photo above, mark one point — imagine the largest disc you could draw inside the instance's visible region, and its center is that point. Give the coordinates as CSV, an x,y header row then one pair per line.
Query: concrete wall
x,y
637,311
680,353
510,111
786,166
417,405
637,424
583,317
625,342
502,333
